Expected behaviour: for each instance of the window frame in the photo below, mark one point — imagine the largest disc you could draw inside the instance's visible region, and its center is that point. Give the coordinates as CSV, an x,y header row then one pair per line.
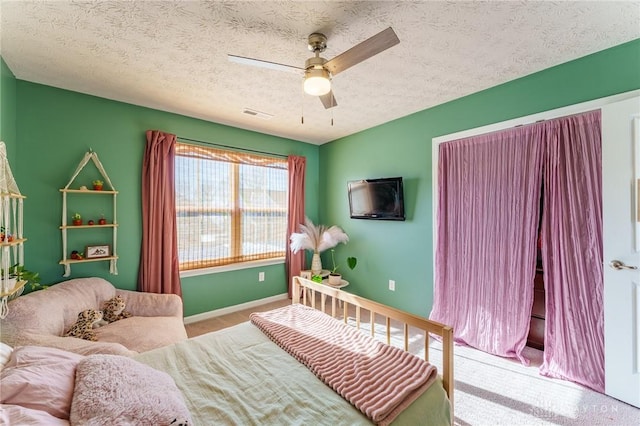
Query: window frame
x,y
235,159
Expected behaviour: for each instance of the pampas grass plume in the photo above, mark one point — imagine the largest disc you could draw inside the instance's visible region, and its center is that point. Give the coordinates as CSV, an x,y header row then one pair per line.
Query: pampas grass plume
x,y
317,237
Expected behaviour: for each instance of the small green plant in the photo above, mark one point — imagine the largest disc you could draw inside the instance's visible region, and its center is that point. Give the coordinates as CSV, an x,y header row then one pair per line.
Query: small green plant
x,y
98,182
316,278
76,216
20,273
351,262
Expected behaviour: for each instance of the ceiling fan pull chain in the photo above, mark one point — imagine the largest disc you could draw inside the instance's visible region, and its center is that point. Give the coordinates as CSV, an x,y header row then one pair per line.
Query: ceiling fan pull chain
x,y
302,104
332,112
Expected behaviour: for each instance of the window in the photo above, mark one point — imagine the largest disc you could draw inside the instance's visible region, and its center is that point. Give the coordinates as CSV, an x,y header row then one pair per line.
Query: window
x,y
231,206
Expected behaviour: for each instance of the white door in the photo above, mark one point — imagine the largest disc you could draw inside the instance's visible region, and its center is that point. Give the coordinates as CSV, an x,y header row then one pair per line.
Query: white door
x,y
621,237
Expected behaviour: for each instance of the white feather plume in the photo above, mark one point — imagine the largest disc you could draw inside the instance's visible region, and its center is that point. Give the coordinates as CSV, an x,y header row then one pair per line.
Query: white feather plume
x,y
317,237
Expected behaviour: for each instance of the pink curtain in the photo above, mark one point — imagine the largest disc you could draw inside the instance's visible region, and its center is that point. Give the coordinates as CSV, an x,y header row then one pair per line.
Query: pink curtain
x,y
572,251
485,254
159,269
488,210
295,262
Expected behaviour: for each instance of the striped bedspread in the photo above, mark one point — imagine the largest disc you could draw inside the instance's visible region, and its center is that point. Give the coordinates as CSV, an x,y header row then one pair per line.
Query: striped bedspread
x,y
378,379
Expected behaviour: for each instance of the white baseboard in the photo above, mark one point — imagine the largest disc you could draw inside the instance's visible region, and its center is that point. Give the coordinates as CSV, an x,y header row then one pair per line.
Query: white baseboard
x,y
235,308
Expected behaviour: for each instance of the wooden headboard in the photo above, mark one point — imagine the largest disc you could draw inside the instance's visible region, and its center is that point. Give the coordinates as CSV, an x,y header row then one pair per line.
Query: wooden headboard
x,y
444,332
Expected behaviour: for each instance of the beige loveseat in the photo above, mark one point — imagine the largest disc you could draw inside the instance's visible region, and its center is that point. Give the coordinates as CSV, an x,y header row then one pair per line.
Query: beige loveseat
x,y
41,318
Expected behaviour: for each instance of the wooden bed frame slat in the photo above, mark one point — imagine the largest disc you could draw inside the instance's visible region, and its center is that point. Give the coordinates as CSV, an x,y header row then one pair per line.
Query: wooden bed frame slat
x,y
444,332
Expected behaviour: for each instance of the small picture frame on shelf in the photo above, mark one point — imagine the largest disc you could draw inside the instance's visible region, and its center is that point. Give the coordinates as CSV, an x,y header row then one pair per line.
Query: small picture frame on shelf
x,y
94,252
306,274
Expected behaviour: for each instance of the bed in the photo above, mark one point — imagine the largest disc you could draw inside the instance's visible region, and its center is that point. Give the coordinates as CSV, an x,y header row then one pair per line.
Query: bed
x,y
245,375
272,388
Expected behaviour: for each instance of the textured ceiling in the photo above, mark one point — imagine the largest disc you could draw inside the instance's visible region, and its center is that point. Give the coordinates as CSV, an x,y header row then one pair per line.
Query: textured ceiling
x,y
172,55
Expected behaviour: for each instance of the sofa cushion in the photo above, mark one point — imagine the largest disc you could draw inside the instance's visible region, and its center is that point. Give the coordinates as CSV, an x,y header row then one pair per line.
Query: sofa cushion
x,y
142,334
55,309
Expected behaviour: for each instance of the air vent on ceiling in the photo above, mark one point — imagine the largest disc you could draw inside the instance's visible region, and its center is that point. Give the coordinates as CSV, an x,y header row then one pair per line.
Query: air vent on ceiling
x,y
258,114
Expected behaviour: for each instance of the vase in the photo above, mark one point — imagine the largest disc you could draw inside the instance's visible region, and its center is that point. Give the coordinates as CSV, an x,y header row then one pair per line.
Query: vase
x,y
316,264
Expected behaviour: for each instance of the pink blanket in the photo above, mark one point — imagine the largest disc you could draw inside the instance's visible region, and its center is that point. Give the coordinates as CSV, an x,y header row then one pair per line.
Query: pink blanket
x,y
378,379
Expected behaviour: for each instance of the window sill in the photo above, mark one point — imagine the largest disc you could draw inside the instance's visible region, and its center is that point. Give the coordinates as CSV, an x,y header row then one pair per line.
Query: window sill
x,y
232,267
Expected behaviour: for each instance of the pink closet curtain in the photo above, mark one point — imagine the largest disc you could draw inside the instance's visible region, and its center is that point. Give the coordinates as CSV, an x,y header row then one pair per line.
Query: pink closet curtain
x,y
572,251
294,263
485,253
488,210
159,268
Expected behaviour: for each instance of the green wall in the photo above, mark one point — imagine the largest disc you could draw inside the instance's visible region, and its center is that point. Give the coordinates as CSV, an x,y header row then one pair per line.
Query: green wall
x,y
8,111
403,251
56,127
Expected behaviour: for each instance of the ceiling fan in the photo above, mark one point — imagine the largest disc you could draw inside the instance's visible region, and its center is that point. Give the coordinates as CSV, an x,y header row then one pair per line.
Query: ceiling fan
x,y
318,71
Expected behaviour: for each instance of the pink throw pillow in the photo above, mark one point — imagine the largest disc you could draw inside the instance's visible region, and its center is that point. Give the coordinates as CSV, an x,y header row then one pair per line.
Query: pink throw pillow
x,y
40,378
115,388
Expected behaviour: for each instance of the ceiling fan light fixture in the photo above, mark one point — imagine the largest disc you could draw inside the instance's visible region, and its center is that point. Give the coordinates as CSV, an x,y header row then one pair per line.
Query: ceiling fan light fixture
x,y
317,82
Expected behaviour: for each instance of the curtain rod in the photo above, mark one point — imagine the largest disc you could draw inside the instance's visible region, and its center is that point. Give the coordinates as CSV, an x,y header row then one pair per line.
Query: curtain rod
x,y
234,147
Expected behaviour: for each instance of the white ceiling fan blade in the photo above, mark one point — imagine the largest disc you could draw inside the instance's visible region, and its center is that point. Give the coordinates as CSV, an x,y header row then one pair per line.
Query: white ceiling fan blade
x,y
328,100
362,51
265,64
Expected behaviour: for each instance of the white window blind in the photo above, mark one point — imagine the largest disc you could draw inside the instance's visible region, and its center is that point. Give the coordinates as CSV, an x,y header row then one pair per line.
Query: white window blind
x,y
231,206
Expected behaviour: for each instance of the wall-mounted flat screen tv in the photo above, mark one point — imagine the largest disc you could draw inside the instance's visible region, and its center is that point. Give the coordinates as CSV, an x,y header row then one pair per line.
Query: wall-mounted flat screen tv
x,y
376,199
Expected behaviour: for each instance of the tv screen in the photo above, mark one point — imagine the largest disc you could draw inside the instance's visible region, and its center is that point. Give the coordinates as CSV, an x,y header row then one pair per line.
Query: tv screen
x,y
376,199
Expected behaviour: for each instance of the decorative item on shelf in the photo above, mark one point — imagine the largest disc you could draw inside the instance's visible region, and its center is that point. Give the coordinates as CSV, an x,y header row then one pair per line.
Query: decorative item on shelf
x,y
94,252
5,237
102,220
76,219
97,185
317,238
75,255
90,222
334,277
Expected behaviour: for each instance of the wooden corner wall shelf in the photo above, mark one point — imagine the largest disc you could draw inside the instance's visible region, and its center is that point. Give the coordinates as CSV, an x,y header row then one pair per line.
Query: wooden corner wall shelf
x,y
88,191
65,226
18,287
15,242
108,225
93,259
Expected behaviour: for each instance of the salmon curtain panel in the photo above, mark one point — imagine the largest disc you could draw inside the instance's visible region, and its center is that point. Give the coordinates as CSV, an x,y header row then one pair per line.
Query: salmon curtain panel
x,y
159,268
488,214
294,263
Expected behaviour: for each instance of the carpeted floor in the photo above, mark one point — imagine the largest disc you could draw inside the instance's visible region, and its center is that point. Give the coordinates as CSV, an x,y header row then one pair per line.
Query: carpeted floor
x,y
490,390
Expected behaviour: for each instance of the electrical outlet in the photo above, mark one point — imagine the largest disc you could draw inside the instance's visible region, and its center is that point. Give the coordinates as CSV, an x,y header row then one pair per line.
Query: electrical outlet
x,y
261,276
392,285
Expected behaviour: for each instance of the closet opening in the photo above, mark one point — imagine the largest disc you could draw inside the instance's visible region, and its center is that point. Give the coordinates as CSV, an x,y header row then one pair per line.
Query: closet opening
x,y
535,339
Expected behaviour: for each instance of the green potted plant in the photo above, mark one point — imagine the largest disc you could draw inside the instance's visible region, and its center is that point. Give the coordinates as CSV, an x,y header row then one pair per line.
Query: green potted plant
x,y
20,273
334,277
97,185
76,219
